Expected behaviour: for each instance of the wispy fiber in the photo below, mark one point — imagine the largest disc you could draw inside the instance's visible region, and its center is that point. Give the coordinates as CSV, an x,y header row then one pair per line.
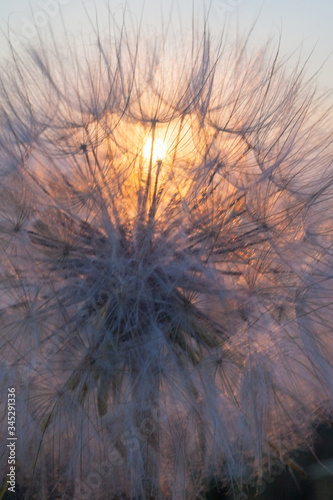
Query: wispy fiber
x,y
166,274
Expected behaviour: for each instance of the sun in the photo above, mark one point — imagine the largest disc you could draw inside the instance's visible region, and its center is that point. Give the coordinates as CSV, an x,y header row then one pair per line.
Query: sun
x,y
159,150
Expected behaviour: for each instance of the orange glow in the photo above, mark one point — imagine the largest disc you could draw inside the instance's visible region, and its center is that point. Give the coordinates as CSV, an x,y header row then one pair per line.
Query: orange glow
x,y
157,150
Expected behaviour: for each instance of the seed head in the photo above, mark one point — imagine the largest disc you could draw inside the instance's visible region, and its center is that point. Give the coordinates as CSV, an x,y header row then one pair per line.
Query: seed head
x,y
166,278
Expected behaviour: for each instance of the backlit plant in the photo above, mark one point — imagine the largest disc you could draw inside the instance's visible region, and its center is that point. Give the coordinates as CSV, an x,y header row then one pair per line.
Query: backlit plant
x,y
166,273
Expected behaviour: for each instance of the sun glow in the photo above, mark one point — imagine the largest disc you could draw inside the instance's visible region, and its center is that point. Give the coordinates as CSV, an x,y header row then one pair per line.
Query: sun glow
x,y
158,152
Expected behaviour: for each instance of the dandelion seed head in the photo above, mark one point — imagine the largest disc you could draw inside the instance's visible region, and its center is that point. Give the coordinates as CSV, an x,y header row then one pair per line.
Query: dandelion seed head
x,y
164,253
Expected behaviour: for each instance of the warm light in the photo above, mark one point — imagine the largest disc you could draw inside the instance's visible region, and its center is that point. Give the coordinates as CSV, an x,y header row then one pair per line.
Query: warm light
x,y
159,150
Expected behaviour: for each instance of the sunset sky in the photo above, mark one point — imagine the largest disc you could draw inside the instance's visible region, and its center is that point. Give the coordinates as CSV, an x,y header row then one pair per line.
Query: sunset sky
x,y
305,23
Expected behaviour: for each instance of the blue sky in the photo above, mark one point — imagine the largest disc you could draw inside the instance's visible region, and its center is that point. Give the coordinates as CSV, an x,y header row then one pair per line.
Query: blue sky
x,y
306,23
